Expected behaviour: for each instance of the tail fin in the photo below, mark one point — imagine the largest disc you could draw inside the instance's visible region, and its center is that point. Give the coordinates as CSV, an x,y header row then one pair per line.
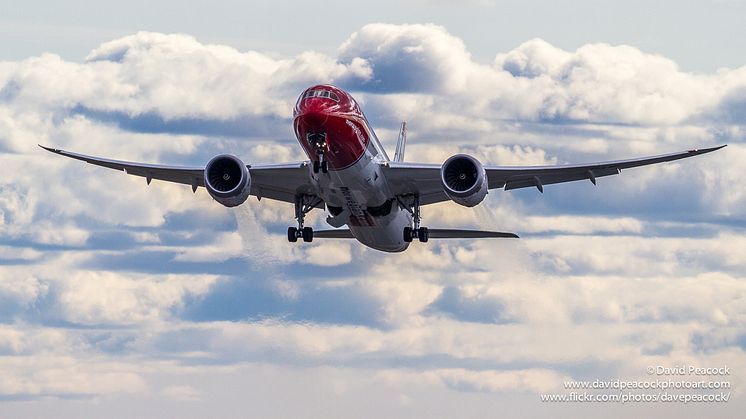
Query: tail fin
x,y
401,143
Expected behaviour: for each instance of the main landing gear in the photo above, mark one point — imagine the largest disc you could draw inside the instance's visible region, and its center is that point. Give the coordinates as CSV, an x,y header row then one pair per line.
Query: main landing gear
x,y
417,232
303,204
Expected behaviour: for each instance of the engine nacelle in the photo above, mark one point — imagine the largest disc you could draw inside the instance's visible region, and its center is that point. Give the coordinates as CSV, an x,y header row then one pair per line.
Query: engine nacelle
x,y
464,180
227,180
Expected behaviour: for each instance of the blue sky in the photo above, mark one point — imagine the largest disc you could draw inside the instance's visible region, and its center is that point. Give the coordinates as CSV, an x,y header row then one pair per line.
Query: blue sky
x,y
118,298
699,35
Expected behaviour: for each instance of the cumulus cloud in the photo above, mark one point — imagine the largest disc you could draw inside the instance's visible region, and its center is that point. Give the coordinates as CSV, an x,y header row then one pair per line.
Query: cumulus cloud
x,y
174,76
159,286
409,58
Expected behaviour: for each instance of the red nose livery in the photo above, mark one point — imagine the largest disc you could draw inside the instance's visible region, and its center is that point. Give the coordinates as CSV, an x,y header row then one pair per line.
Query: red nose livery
x,y
330,113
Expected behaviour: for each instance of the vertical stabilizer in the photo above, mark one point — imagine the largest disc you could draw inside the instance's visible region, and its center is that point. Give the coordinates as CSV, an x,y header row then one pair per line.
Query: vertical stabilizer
x,y
401,143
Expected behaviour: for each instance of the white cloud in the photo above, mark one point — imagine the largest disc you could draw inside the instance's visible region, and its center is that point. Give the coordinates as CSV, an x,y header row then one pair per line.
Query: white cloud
x,y
103,297
409,58
61,376
645,268
181,393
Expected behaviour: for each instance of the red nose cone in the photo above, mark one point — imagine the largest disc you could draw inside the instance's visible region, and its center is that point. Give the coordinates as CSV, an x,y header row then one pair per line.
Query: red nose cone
x,y
313,112
329,123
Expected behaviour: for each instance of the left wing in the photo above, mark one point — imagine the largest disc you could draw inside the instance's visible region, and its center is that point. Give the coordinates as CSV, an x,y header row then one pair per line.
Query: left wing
x,y
424,179
281,182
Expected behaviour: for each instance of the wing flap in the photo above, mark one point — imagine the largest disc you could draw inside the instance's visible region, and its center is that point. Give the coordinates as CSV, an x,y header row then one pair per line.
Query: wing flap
x,y
529,180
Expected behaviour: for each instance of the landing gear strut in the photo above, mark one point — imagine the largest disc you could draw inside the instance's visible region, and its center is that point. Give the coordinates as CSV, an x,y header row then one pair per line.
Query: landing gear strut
x,y
320,164
318,142
303,204
420,233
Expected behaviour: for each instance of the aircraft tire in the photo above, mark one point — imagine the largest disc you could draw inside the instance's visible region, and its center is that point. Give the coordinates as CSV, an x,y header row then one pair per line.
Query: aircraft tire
x,y
307,233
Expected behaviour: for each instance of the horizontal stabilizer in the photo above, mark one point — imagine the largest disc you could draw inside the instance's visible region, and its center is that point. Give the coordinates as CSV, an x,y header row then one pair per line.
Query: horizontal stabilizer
x,y
445,233
341,233
433,233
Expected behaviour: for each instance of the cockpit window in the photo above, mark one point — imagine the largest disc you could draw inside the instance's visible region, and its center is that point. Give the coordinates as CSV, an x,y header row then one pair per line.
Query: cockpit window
x,y
321,93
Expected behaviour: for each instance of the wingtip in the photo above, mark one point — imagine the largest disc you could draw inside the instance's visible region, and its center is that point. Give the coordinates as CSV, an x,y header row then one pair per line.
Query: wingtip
x,y
707,150
50,149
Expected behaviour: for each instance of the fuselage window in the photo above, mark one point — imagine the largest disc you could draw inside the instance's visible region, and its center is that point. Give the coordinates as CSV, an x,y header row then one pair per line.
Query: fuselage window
x,y
321,93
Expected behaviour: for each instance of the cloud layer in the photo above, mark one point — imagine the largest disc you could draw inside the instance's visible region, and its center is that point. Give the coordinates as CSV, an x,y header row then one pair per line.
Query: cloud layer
x,y
112,291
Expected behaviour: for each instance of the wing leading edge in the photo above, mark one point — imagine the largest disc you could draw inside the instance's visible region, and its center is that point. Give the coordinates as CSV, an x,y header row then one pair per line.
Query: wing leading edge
x,y
281,182
424,179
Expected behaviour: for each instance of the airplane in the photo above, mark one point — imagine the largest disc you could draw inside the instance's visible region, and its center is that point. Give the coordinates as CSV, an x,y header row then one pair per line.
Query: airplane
x,y
349,174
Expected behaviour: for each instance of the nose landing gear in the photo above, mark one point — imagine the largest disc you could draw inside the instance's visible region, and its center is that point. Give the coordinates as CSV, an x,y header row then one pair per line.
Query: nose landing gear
x,y
320,164
318,142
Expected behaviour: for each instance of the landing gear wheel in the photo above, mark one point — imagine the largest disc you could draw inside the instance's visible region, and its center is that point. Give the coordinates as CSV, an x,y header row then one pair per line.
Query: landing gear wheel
x,y
324,167
407,234
303,204
423,234
307,234
316,166
292,234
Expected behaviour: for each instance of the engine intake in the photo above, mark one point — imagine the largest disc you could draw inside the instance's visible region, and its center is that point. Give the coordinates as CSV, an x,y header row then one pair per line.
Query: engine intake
x,y
227,180
464,180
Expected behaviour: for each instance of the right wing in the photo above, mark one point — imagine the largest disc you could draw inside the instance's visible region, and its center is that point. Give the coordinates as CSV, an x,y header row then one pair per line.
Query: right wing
x,y
424,179
280,182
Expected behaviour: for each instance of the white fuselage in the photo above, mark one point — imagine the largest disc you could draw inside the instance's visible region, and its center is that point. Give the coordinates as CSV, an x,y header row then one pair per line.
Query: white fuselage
x,y
331,128
355,189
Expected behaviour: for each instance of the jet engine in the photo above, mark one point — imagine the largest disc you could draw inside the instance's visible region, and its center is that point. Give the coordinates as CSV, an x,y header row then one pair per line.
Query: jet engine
x,y
227,180
464,180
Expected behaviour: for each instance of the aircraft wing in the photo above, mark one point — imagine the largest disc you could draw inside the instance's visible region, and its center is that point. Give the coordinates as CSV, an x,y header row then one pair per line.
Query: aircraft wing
x,y
424,179
274,181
